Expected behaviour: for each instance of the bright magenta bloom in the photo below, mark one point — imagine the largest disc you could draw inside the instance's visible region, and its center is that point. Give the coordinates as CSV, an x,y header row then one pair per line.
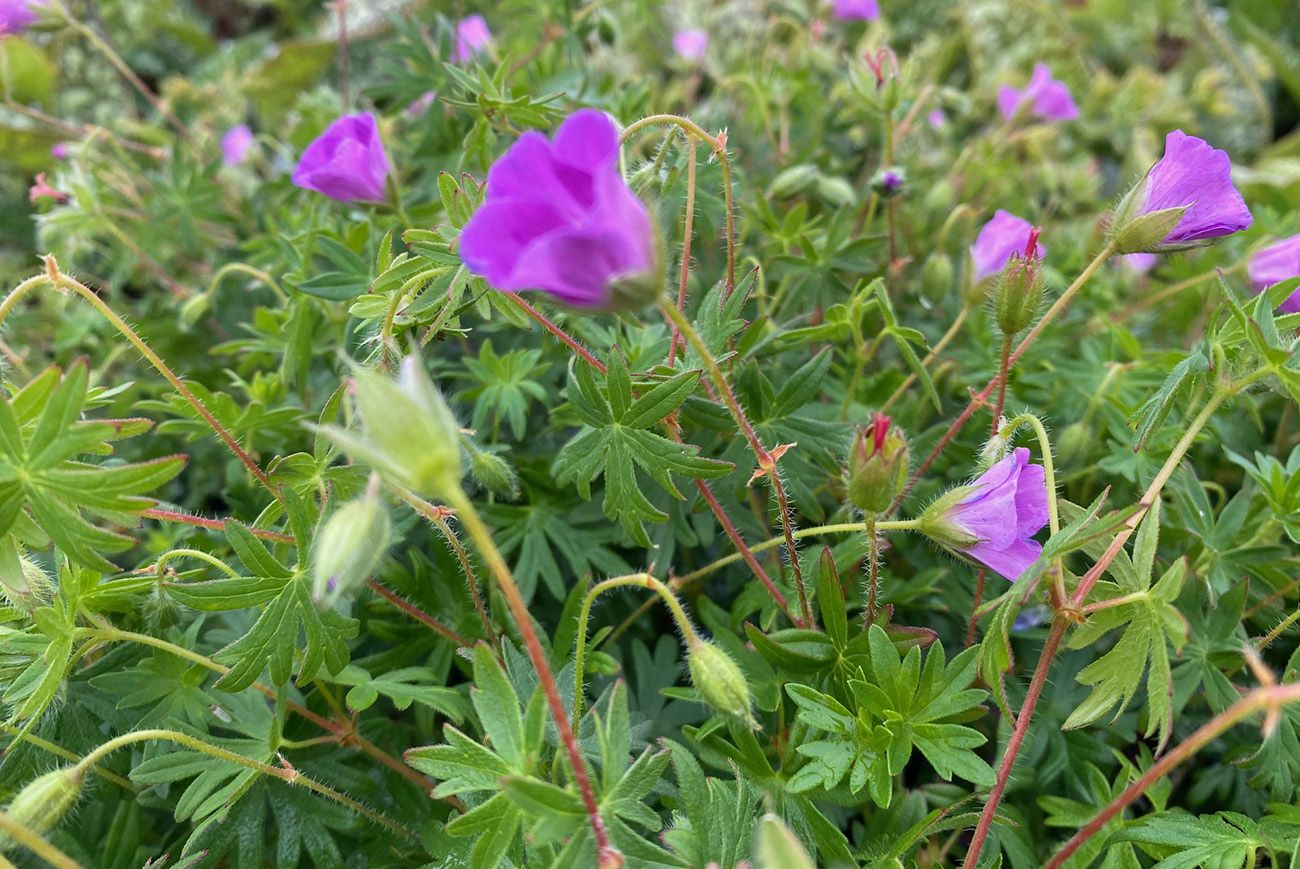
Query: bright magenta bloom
x,y
347,162
472,39
1044,98
1194,176
1006,507
1274,264
235,145
848,10
17,15
559,217
1004,235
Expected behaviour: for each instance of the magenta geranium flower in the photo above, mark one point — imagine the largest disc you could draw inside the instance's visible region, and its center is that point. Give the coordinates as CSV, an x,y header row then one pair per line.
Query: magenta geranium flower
x,y
17,15
849,10
1044,98
1274,264
1004,235
347,162
235,145
691,44
472,39
1187,197
559,217
993,520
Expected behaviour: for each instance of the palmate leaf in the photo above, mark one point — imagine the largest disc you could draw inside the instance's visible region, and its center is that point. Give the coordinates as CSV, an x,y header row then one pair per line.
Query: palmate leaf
x,y
45,495
288,611
1225,840
615,443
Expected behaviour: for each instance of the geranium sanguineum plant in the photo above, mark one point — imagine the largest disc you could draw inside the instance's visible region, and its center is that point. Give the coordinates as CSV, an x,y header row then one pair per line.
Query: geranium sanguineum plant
x,y
472,39
347,162
558,217
992,521
1005,234
1187,198
17,15
1043,98
235,145
1272,265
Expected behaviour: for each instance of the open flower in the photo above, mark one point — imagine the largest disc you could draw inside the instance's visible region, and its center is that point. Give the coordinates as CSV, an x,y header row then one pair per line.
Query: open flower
x,y
1187,197
1004,235
235,145
849,10
992,520
1044,98
472,39
1274,264
691,44
347,162
17,15
558,217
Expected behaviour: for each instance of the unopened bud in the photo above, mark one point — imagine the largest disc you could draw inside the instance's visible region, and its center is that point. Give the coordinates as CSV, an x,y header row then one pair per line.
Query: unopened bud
x,y
195,308
1075,441
936,276
493,473
793,181
349,547
777,847
995,448
878,463
719,680
1019,289
28,588
44,801
889,181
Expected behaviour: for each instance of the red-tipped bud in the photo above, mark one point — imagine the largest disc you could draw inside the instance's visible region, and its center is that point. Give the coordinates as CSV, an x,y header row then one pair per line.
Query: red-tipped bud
x,y
877,466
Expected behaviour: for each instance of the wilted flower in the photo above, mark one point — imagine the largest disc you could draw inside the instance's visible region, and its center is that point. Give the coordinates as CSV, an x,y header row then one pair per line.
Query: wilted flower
x,y
347,162
235,145
472,39
1044,98
1002,236
1274,264
17,15
691,44
558,217
993,520
877,466
1185,198
849,10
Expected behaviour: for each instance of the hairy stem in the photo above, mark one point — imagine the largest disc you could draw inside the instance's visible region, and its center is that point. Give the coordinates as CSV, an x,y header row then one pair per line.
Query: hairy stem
x,y
688,224
33,842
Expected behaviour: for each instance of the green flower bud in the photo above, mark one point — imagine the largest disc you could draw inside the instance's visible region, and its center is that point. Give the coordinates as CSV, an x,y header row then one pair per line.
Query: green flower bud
x,y
195,308
936,276
1075,441
411,436
835,191
777,847
878,463
43,802
348,549
28,588
719,680
793,181
1018,291
493,473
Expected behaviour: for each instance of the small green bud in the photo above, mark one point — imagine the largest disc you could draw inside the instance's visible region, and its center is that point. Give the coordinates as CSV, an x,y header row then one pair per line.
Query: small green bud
x,y
493,473
777,847
719,680
44,801
835,191
936,276
878,462
995,448
1018,291
195,308
793,181
1075,440
28,588
349,548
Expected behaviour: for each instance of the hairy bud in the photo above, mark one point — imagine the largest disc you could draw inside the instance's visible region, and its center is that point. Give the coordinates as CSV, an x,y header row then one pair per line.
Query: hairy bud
x,y
1019,289
878,463
348,548
27,587
719,680
44,801
777,847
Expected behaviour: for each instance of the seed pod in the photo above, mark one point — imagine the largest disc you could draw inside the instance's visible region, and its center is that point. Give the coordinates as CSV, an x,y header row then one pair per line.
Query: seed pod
x,y
44,801
719,680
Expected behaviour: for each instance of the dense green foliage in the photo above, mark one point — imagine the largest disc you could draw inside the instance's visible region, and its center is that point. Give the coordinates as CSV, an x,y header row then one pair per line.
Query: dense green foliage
x,y
205,370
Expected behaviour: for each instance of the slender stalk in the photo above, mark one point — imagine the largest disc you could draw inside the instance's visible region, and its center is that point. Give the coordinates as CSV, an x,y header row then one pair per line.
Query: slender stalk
x,y
556,331
437,516
638,580
57,750
742,549
286,773
1061,303
1004,372
1269,698
418,614
1263,642
688,224
173,554
341,9
873,571
766,460
929,357
33,842
258,274
211,524
606,853
980,578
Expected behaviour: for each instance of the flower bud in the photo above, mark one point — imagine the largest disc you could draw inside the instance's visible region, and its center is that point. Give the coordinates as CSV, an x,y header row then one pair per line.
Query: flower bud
x,y
936,276
877,466
777,847
719,681
493,473
411,436
996,447
348,548
1019,289
27,589
1075,440
889,181
793,181
43,802
195,308
1144,233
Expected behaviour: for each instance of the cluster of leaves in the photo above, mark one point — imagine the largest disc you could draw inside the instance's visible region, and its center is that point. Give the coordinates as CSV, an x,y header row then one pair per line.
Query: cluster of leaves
x,y
151,582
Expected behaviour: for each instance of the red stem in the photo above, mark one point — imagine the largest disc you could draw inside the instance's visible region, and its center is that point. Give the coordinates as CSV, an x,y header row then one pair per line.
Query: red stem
x,y
556,331
744,550
418,614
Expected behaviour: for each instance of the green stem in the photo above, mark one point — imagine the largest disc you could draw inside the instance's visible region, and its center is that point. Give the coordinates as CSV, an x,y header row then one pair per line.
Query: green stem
x,y
59,751
1049,466
638,580
873,571
33,842
231,268
173,554
284,774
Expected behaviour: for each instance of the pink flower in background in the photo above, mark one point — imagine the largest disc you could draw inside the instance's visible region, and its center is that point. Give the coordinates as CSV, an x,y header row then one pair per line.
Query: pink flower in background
x,y
1004,235
42,190
17,15
235,145
1274,264
347,162
850,10
1139,263
472,39
421,104
60,150
1044,97
558,217
937,119
1006,506
1196,177
691,44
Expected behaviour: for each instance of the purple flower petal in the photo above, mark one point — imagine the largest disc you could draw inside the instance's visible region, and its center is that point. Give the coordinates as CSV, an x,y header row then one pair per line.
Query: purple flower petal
x,y
347,162
235,145
1195,176
17,15
1004,235
1009,562
691,45
1007,507
1047,99
850,10
472,39
1272,265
